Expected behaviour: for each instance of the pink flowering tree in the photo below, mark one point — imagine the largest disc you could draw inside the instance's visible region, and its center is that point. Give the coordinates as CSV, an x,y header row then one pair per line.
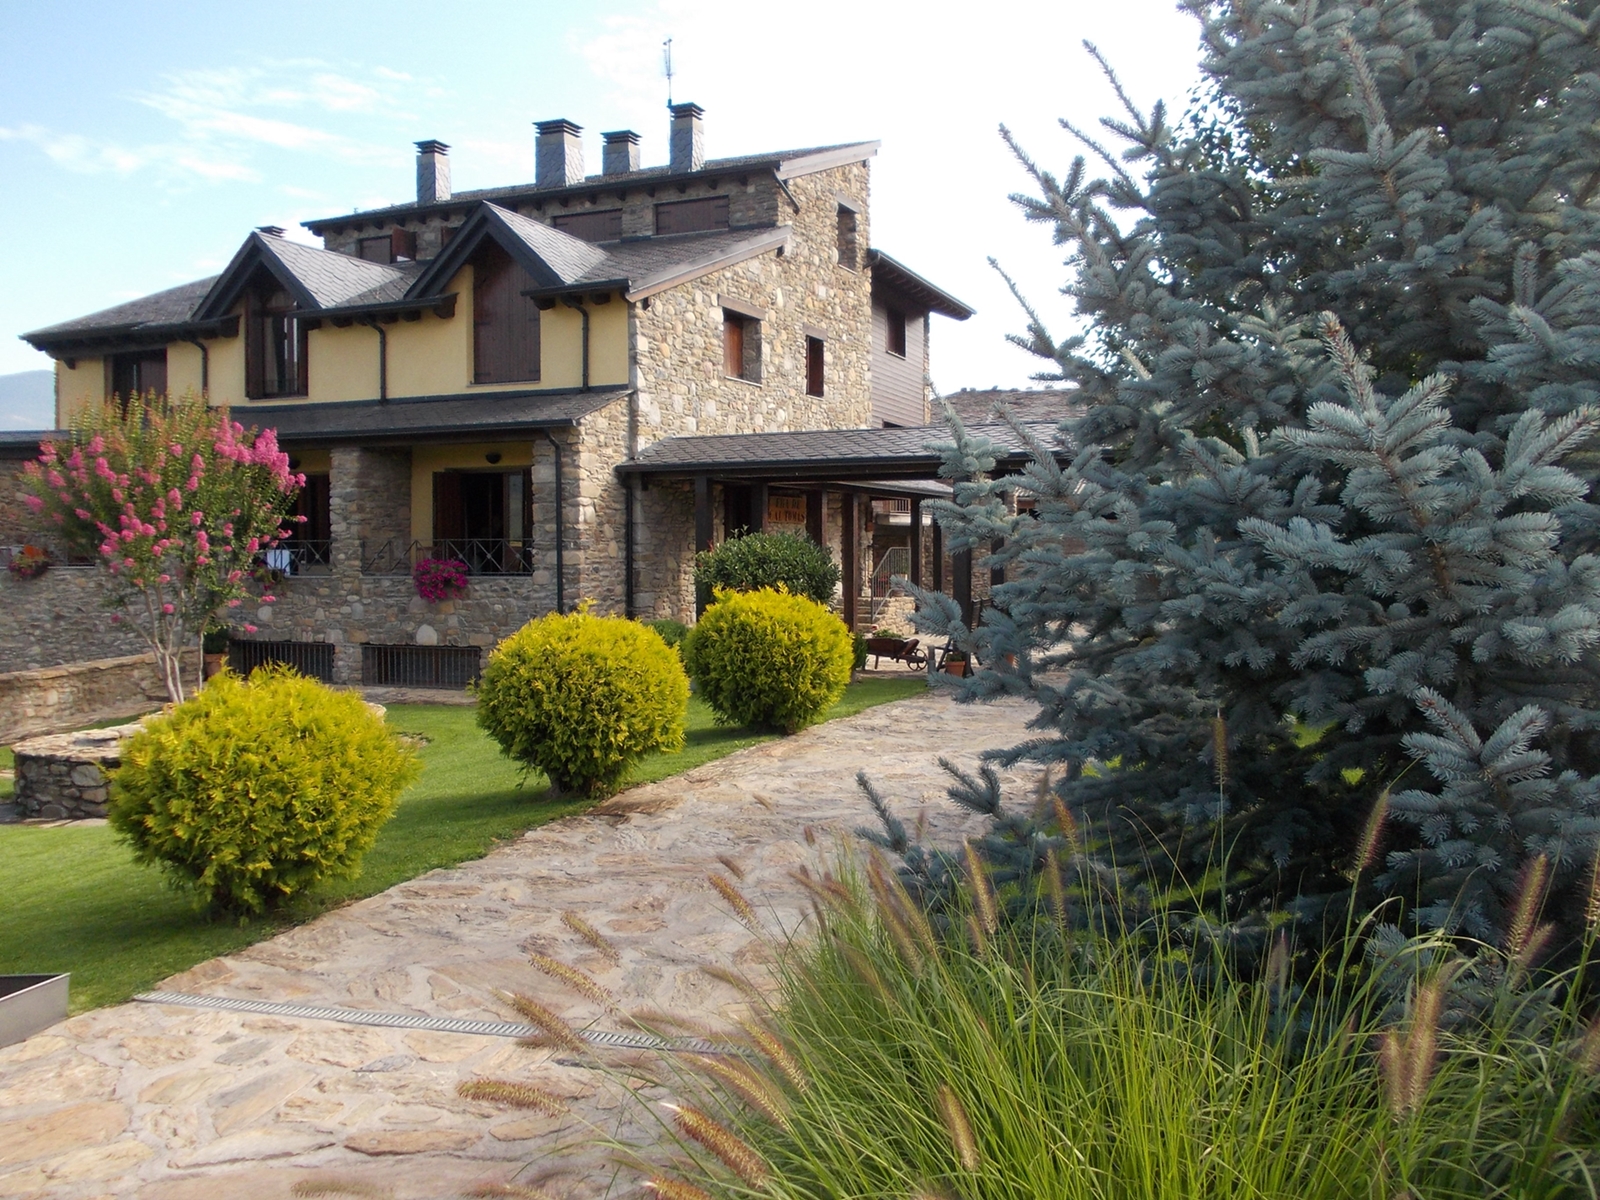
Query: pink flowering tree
x,y
175,501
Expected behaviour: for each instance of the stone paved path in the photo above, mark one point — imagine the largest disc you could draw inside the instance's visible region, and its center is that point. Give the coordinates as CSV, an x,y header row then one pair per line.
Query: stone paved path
x,y
166,1103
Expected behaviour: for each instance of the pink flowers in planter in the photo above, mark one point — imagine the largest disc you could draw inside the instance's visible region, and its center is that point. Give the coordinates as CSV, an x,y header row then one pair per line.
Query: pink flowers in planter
x,y
440,578
30,562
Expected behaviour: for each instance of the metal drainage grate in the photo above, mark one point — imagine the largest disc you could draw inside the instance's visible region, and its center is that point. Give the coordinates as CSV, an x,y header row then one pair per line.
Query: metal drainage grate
x,y
510,1029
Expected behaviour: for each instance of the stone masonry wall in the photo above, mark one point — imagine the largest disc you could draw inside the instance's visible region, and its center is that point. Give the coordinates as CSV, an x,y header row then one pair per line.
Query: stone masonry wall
x,y
57,618
59,699
678,347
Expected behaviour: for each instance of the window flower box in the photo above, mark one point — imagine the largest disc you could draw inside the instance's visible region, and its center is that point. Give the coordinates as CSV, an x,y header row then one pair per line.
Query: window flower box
x,y
439,579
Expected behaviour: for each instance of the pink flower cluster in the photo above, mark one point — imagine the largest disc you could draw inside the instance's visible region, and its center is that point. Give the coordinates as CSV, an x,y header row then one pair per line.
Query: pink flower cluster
x,y
440,578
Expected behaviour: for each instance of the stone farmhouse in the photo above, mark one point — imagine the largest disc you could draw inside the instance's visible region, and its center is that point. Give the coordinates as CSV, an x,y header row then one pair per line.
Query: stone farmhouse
x,y
569,385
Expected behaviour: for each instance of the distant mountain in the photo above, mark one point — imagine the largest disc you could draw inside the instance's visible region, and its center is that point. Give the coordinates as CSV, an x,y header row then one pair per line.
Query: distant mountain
x,y
28,400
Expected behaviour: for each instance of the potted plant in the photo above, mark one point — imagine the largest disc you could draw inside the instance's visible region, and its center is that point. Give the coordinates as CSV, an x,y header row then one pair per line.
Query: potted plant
x,y
214,649
438,579
30,562
956,663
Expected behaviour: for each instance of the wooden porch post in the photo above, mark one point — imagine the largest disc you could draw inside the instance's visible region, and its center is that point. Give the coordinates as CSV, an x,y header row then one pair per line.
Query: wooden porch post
x,y
816,516
758,506
915,574
938,556
850,558
703,529
961,585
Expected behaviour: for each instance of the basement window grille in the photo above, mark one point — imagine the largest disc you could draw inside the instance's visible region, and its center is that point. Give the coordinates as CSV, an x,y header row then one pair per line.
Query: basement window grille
x,y
420,666
314,659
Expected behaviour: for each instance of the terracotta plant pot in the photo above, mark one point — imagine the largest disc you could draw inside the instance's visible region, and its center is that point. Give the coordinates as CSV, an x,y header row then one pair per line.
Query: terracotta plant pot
x,y
959,667
214,664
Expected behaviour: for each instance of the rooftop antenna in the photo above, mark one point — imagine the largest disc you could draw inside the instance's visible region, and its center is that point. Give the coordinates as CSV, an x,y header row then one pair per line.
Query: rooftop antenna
x,y
666,62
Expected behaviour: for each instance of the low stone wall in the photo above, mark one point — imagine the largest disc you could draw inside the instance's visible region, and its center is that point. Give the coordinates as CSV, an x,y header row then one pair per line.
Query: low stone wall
x,y
64,777
58,699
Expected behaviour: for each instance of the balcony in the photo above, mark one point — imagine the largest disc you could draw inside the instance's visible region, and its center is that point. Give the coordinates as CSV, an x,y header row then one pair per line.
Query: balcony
x,y
482,556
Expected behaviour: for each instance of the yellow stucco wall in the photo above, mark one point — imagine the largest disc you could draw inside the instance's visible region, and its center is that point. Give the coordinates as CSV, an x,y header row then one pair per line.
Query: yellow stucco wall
x,y
425,460
78,386
183,369
561,345
227,369
433,356
342,364
312,462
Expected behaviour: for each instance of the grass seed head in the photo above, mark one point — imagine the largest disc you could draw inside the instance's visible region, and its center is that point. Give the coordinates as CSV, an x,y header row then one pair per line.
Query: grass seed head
x,y
750,1085
676,1189
734,868
1372,832
1219,749
333,1185
549,1023
510,1191
959,1126
1068,824
1056,887
513,1094
735,899
984,902
768,1043
575,979
1589,1048
734,980
737,1155
1527,906
590,934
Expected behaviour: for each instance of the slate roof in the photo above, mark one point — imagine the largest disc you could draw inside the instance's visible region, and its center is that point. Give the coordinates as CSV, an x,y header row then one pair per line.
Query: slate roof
x,y
787,164
334,279
173,306
470,417
1025,404
834,454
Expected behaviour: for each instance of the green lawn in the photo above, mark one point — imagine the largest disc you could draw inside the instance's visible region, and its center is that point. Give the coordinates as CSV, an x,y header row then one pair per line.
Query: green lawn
x,y
75,901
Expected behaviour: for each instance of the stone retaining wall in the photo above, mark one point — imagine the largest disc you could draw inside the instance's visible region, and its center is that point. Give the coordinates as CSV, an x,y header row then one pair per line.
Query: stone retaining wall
x,y
64,777
58,699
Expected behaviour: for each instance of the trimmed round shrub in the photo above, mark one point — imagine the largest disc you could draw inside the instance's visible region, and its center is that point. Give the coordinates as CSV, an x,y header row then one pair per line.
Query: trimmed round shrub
x,y
753,561
581,697
256,789
671,632
768,658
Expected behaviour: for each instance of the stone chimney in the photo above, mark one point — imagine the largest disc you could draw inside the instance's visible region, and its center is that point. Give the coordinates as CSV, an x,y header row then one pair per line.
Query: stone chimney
x,y
433,172
621,152
559,160
688,138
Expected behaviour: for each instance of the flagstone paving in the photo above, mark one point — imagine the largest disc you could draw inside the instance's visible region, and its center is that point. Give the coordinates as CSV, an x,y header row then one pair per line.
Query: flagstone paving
x,y
166,1103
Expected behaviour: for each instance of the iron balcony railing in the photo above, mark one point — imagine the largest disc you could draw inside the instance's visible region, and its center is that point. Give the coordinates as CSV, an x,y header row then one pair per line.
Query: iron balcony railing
x,y
420,666
483,556
309,658
299,557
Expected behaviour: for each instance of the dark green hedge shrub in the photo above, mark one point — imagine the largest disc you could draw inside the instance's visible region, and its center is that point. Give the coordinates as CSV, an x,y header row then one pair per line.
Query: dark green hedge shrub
x,y
256,789
767,658
581,697
767,560
672,632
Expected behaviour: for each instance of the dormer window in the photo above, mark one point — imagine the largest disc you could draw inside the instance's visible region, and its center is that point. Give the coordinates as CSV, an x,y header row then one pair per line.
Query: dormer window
x,y
275,346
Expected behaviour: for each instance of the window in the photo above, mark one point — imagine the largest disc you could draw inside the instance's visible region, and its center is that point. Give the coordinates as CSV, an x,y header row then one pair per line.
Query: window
x,y
603,226
505,323
895,331
848,254
741,346
309,544
390,247
139,373
813,366
275,347
482,518
692,216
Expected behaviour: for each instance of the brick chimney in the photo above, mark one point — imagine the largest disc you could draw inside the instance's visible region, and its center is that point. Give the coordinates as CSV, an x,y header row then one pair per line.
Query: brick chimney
x,y
621,152
688,137
559,160
433,172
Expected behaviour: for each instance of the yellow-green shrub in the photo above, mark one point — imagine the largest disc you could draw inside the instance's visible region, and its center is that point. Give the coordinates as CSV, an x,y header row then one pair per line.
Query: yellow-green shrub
x,y
581,697
768,658
256,789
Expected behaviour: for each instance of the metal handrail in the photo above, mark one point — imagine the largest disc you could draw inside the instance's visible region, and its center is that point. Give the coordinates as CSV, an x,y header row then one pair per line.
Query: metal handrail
x,y
482,556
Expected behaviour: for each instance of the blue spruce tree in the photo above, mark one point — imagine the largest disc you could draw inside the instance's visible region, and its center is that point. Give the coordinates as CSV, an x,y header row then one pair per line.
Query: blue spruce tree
x,y
1324,548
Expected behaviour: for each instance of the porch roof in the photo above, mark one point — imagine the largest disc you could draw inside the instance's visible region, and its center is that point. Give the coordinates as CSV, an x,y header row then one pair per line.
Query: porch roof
x,y
830,455
456,418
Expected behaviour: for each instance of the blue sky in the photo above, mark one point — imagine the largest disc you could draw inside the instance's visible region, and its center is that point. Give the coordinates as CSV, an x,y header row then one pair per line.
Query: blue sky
x,y
139,143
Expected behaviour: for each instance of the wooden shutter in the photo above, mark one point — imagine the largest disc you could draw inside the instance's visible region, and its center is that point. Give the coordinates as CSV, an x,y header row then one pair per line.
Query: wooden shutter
x,y
813,366
505,323
603,226
312,504
448,519
732,344
153,372
376,249
255,348
402,244
692,216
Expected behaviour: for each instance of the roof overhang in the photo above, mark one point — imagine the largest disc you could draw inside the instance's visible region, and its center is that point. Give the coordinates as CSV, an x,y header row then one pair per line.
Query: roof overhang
x,y
473,417
765,242
895,276
68,347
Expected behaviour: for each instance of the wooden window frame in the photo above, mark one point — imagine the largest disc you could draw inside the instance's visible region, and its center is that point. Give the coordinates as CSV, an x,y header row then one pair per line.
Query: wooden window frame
x,y
895,337
816,363
741,346
278,324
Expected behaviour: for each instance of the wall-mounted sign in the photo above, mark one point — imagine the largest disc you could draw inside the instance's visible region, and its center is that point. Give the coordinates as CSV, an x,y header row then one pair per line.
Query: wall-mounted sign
x,y
786,510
